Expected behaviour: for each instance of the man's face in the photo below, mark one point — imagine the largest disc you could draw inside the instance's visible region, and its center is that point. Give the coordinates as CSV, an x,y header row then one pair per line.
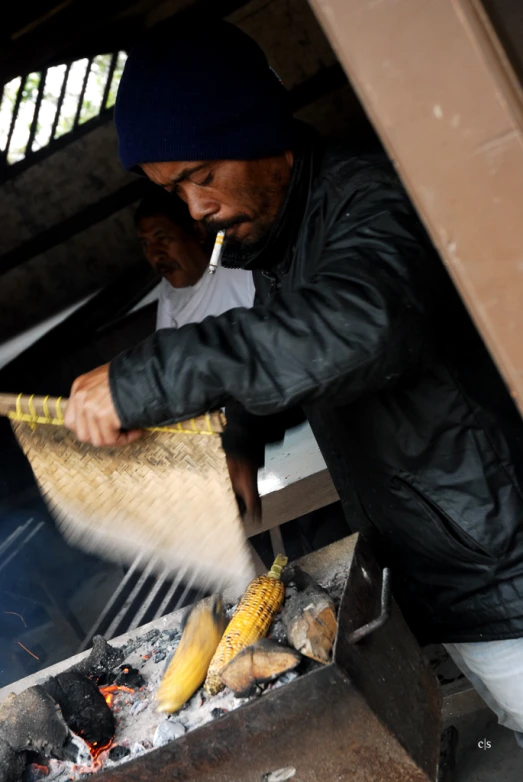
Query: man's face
x,y
173,252
241,197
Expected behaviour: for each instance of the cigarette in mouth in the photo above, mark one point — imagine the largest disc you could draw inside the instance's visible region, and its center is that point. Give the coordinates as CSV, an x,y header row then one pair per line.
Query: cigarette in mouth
x,y
216,252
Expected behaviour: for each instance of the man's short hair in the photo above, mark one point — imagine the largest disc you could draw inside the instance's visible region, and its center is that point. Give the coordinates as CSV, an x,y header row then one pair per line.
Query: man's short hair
x,y
163,203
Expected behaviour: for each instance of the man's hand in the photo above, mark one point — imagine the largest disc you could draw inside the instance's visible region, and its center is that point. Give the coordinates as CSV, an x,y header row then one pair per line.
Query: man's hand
x,y
244,479
91,414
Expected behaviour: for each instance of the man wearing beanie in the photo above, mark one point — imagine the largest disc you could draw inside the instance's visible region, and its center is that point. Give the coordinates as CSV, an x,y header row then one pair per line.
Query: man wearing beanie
x,y
356,322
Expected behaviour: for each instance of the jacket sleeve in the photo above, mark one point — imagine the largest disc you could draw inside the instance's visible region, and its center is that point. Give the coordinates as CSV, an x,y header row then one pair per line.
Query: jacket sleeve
x,y
355,324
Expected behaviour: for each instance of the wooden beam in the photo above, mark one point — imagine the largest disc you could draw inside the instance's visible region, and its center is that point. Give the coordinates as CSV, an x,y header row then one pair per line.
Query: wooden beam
x,y
439,89
82,220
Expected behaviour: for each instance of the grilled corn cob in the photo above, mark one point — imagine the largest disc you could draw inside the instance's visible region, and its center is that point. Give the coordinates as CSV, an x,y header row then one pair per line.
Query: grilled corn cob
x,y
201,635
250,622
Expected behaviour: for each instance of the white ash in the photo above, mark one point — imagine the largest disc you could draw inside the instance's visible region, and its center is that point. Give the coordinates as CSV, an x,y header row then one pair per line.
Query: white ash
x,y
167,731
83,758
286,678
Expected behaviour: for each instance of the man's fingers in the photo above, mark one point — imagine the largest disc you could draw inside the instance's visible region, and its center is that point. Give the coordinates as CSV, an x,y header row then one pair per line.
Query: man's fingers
x,y
80,426
70,414
125,438
96,436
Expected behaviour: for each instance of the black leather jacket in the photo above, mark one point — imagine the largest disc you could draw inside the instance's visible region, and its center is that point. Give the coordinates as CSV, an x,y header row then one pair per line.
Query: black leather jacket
x,y
357,323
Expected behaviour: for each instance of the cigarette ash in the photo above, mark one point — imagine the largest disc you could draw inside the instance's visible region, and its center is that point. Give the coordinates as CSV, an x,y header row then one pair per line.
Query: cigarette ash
x,y
139,668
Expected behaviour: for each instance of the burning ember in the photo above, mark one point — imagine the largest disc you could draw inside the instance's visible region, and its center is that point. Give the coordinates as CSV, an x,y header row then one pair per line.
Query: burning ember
x,y
109,692
42,770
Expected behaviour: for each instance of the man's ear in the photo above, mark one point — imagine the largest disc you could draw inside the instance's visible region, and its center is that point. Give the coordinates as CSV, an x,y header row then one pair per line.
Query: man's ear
x,y
289,157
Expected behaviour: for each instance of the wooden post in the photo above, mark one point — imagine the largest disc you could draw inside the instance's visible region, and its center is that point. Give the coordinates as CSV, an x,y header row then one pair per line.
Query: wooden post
x,y
435,81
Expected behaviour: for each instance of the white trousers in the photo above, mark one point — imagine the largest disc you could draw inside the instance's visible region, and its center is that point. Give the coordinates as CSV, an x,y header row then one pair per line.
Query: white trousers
x,y
495,669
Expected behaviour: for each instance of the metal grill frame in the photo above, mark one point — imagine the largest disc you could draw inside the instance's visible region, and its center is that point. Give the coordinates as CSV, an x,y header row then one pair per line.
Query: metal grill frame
x,y
373,714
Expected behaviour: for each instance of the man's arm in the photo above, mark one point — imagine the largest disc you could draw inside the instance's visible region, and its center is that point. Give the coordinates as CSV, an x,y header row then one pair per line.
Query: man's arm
x,y
356,325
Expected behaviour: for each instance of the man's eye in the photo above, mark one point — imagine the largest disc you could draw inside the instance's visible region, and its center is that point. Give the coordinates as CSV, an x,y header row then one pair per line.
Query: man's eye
x,y
207,181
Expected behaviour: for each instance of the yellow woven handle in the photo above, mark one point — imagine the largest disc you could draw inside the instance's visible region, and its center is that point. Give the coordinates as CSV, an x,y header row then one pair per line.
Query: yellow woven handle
x,y
49,410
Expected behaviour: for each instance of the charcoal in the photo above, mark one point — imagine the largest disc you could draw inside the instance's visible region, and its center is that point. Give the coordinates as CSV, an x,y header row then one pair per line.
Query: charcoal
x,y
12,764
83,707
129,677
118,752
101,661
32,721
150,636
159,656
172,635
217,712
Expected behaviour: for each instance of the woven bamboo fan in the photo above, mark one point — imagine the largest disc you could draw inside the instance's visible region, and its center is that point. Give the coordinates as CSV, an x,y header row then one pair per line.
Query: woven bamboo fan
x,y
168,495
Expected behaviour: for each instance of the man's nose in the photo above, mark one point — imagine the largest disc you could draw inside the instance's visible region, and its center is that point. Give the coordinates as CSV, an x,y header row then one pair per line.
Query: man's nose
x,y
201,205
156,254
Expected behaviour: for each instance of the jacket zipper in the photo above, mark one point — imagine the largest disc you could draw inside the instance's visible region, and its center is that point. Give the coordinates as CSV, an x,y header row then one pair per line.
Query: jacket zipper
x,y
274,282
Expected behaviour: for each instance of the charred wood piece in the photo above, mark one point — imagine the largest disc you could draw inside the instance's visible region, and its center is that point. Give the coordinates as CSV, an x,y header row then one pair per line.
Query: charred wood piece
x,y
259,664
309,616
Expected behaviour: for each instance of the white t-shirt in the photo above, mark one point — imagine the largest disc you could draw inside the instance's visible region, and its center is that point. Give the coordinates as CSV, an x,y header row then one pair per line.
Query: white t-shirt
x,y
212,295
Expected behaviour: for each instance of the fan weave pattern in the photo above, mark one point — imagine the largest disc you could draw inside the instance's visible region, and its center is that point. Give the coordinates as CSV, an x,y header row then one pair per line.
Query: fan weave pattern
x,y
167,496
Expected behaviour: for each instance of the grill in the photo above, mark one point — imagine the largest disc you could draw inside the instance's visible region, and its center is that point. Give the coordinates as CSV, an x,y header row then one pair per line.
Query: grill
x,y
373,714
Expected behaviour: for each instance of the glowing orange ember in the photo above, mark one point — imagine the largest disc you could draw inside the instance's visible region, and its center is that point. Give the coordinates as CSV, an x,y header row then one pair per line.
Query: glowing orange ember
x,y
96,751
109,692
41,769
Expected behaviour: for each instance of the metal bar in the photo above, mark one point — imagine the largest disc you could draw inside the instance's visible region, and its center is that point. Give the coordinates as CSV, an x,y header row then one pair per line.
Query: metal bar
x,y
34,123
170,594
181,600
278,546
60,101
386,606
82,93
14,115
109,605
107,87
113,627
160,582
31,535
14,535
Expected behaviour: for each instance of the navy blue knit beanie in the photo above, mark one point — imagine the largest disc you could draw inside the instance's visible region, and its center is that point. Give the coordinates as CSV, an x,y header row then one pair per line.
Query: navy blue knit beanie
x,y
202,92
